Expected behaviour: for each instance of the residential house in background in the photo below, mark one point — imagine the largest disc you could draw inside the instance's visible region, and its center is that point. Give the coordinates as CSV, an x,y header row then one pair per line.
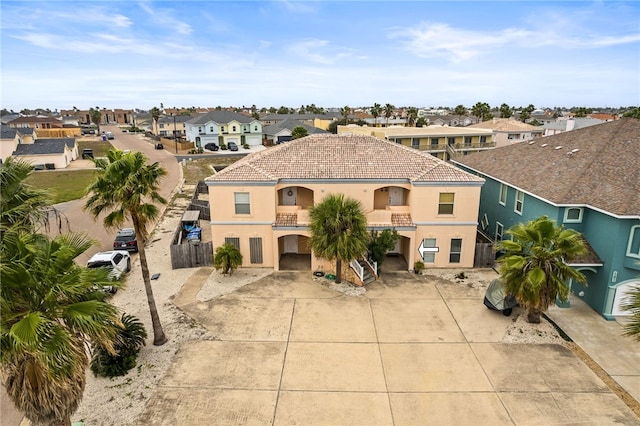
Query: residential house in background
x,y
439,141
109,116
555,127
261,203
48,153
321,121
9,141
35,122
507,131
281,132
168,126
586,179
223,127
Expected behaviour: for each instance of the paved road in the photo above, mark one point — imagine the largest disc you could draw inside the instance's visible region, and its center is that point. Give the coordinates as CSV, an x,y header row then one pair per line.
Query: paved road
x,y
81,221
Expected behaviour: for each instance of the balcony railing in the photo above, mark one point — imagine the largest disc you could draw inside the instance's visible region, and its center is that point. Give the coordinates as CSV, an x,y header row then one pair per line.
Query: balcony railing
x,y
457,146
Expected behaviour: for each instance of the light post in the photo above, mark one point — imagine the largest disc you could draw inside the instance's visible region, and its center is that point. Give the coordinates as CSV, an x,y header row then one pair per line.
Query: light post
x,y
175,132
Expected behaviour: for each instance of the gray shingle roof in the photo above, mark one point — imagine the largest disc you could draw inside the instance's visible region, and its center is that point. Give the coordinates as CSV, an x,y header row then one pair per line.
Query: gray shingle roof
x,y
342,157
290,124
596,166
168,119
325,116
8,133
221,117
44,146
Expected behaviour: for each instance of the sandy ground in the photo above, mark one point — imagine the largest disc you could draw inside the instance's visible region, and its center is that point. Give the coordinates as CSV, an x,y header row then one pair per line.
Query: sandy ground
x,y
121,400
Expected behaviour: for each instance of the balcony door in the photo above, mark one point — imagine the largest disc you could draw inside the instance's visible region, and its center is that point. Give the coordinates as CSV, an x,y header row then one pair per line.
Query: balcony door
x,y
395,196
289,196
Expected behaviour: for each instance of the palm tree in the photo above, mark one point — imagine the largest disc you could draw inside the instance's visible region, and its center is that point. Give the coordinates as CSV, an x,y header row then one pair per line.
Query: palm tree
x,y
534,267
298,132
21,206
128,342
376,110
50,312
632,305
227,257
338,230
412,115
155,115
126,188
345,111
96,117
388,112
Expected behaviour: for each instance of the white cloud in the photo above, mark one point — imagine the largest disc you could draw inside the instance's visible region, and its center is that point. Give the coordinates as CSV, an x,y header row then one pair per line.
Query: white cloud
x,y
167,18
318,51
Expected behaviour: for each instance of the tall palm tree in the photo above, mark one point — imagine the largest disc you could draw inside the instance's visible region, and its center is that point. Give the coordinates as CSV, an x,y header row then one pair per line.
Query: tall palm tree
x,y
345,111
534,267
96,117
155,115
388,112
227,257
376,110
412,115
21,206
338,230
49,313
126,188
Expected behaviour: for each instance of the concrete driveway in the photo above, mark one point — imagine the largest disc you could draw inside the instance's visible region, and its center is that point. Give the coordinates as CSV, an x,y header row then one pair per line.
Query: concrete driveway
x,y
413,350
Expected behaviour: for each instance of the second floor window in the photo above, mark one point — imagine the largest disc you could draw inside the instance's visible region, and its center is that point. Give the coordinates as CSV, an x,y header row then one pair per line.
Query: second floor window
x,y
211,129
445,203
633,247
573,215
242,203
503,194
161,125
499,231
483,139
467,140
233,129
519,202
435,141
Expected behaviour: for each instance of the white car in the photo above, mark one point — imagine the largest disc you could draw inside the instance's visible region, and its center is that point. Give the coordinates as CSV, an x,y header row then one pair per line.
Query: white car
x,y
118,261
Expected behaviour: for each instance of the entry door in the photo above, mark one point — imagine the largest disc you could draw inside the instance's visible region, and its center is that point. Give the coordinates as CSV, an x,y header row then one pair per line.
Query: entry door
x,y
395,196
291,244
289,196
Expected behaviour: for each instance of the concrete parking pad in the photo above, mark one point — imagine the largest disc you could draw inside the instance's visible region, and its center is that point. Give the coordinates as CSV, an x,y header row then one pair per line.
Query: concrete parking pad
x,y
432,367
333,408
187,406
333,367
550,408
479,324
227,365
233,318
402,286
285,285
332,320
414,320
536,368
477,408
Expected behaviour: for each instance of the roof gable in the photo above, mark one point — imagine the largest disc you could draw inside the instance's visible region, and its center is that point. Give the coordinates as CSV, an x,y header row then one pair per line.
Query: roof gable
x,y
221,117
596,166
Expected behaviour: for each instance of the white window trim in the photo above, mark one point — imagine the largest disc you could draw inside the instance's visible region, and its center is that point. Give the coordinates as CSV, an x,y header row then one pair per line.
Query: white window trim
x,y
484,222
235,203
432,250
500,200
515,204
632,231
495,235
459,253
566,213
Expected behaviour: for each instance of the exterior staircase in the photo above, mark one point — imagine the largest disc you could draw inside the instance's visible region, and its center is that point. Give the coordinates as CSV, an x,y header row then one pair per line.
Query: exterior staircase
x,y
364,270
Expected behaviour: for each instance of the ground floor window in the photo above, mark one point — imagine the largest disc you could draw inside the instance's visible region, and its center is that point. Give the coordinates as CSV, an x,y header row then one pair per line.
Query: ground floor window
x,y
429,255
456,250
255,250
235,241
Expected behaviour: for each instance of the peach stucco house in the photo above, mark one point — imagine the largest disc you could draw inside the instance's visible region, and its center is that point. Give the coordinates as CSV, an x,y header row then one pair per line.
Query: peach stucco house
x,y
261,203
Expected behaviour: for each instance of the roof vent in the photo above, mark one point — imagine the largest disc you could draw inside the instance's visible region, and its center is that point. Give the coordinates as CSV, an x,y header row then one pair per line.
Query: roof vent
x,y
543,145
575,150
532,142
558,147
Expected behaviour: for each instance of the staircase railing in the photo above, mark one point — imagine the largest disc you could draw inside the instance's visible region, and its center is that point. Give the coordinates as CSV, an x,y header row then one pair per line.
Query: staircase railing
x,y
372,266
358,269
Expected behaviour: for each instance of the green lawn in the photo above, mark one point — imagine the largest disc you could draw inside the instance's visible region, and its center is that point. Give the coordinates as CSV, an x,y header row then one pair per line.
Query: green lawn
x,y
99,148
200,168
64,185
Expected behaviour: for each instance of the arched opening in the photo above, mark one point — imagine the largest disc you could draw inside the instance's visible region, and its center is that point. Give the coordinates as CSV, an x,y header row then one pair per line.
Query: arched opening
x,y
390,196
294,253
295,196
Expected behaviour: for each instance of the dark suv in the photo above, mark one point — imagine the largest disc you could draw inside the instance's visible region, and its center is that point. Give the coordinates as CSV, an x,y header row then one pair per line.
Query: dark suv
x,y
126,240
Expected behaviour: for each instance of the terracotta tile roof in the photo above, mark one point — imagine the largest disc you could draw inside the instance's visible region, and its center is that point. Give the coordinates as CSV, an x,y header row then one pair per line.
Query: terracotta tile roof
x,y
401,219
342,157
596,166
286,219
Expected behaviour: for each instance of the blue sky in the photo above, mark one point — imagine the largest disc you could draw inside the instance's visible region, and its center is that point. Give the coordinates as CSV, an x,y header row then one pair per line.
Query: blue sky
x,y
60,54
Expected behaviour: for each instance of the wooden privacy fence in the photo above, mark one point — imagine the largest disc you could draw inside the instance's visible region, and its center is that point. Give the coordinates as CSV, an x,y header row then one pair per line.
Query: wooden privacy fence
x,y
485,256
191,255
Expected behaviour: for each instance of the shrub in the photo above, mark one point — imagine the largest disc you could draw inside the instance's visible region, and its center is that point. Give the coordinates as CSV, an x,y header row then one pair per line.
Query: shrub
x,y
418,266
128,342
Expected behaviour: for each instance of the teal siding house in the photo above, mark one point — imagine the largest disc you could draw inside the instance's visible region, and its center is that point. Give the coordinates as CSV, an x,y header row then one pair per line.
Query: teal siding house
x,y
587,180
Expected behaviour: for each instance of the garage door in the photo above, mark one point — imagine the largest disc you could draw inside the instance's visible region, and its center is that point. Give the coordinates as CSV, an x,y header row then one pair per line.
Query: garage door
x,y
623,291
